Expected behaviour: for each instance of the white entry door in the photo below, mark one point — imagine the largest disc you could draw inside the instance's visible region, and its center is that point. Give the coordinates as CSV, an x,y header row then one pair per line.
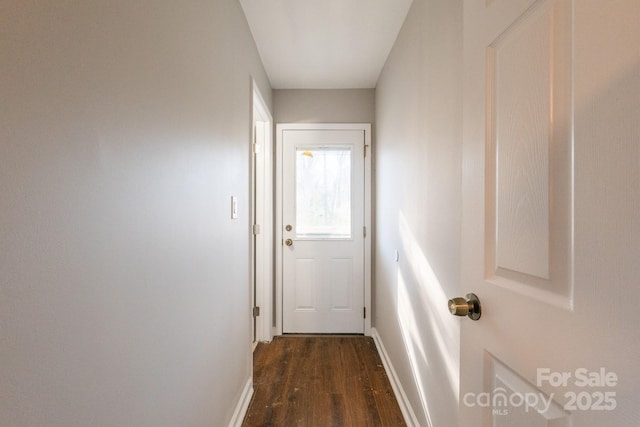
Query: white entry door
x,y
551,201
323,211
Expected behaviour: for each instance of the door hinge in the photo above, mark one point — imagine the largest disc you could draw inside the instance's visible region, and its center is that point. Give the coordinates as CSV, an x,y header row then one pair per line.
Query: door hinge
x,y
365,150
364,231
364,312
256,311
256,148
256,228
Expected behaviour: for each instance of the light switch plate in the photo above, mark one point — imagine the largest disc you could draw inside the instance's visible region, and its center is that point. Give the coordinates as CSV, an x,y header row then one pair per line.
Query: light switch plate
x,y
234,207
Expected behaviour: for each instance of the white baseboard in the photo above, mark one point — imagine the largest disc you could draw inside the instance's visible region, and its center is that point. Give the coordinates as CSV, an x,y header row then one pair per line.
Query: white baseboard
x,y
243,405
401,397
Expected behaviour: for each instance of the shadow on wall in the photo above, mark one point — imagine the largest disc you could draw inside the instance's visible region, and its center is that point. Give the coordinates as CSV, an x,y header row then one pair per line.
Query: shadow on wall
x,y
423,318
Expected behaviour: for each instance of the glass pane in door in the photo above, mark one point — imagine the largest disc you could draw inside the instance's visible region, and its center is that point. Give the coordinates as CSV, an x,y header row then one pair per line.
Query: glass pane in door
x,y
323,192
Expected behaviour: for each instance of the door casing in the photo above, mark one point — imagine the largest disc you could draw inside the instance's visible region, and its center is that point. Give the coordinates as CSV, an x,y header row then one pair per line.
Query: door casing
x,y
280,128
261,208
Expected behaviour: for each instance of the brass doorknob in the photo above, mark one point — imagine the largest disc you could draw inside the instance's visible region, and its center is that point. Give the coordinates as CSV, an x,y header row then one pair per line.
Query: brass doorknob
x,y
466,307
288,242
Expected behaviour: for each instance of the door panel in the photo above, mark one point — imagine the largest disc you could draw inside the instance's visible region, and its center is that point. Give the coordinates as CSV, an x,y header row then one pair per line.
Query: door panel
x,y
547,172
341,282
507,390
528,181
323,217
305,285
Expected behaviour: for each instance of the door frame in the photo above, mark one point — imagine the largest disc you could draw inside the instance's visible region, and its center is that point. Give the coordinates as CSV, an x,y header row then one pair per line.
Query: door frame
x,y
261,244
366,128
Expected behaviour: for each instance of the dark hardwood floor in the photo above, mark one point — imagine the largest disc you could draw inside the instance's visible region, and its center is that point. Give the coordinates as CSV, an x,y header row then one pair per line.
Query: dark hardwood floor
x,y
323,381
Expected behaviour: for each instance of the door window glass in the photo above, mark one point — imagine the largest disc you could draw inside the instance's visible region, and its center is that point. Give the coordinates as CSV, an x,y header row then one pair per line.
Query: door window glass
x,y
323,192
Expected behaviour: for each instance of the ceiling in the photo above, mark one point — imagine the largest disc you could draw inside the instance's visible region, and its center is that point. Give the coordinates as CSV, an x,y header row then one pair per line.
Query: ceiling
x,y
324,44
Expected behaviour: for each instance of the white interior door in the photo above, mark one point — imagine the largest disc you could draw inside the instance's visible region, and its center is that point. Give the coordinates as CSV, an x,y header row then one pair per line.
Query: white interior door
x,y
323,213
551,201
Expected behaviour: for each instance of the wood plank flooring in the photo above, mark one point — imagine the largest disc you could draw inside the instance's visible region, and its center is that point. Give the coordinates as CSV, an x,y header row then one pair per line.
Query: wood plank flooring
x,y
321,381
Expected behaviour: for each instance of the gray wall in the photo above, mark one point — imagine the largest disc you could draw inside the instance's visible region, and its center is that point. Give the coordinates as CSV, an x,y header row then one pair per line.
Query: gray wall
x,y
418,152
324,105
124,285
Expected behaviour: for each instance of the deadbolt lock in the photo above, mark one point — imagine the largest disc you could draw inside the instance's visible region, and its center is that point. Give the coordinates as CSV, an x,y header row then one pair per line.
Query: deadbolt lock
x,y
288,228
466,307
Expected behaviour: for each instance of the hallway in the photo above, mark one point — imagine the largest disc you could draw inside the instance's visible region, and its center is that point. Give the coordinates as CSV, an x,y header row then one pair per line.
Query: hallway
x,y
505,163
321,381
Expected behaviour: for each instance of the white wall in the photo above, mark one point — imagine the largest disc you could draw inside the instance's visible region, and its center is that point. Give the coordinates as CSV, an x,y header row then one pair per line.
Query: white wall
x,y
124,290
418,167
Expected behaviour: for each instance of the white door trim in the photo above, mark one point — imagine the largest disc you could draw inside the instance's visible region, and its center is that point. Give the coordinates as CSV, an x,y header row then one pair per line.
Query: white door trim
x,y
280,128
263,216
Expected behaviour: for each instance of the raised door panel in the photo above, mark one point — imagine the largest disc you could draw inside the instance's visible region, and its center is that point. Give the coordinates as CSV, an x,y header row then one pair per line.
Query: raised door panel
x,y
306,283
340,281
512,400
528,181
